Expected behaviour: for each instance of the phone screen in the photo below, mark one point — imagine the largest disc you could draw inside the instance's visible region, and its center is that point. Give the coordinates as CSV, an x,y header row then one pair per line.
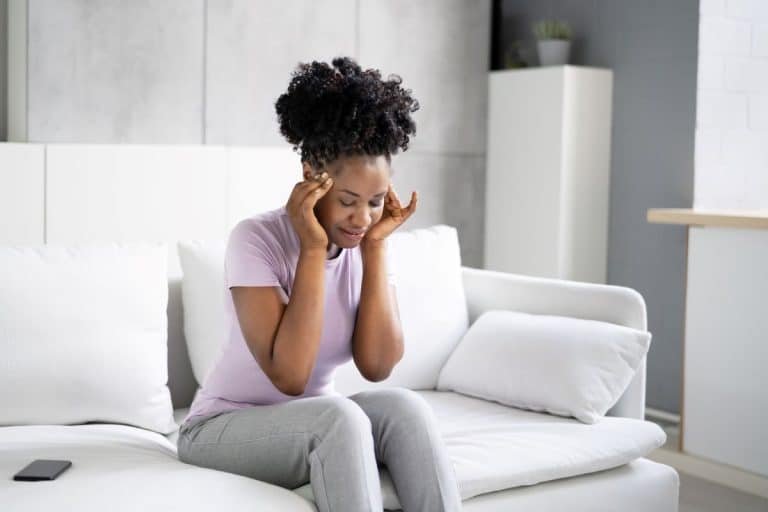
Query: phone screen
x,y
42,470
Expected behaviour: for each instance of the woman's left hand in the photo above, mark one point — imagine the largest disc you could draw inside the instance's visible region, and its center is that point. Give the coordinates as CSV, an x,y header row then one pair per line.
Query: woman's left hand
x,y
393,217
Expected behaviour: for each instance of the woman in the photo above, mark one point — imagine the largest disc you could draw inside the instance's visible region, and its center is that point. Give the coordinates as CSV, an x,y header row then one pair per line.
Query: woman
x,y
310,290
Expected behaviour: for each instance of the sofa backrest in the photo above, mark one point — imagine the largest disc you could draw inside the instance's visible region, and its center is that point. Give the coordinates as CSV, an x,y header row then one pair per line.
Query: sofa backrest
x,y
70,194
487,290
84,193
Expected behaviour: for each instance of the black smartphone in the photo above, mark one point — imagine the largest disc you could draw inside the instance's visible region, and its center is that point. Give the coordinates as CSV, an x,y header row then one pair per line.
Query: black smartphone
x,y
42,470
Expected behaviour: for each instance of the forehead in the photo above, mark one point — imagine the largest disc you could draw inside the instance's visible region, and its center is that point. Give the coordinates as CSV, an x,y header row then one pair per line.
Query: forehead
x,y
362,174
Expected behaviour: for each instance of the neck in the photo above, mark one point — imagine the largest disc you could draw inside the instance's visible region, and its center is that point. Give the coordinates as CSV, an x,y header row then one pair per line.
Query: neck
x,y
333,251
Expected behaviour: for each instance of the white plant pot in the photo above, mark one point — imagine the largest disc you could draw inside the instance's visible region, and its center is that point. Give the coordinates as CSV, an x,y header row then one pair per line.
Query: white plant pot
x,y
553,52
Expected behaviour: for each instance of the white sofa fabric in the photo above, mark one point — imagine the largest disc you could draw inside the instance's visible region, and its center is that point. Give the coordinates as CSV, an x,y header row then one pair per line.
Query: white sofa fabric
x,y
494,448
430,296
83,333
560,365
503,456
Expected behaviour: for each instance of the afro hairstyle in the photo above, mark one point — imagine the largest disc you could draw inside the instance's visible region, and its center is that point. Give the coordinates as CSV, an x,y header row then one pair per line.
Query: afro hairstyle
x,y
340,110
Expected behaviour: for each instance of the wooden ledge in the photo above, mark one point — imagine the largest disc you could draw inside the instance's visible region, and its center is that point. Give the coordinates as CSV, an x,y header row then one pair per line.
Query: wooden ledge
x,y
755,219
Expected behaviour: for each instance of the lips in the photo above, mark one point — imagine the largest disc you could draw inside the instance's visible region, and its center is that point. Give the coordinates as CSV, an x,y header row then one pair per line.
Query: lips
x,y
352,235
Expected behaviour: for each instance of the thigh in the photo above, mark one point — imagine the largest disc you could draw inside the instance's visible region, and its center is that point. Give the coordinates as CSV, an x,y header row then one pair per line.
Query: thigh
x,y
266,442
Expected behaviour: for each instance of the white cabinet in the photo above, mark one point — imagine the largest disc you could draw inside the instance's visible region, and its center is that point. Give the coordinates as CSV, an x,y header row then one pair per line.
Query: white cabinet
x,y
725,404
548,170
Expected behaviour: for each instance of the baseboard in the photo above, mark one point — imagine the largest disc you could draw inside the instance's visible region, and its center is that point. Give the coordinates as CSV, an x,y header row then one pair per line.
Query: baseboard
x,y
669,417
722,474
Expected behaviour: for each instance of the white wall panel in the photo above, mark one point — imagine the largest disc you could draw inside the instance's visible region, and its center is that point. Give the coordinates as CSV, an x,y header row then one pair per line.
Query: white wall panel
x,y
251,49
261,179
102,193
22,171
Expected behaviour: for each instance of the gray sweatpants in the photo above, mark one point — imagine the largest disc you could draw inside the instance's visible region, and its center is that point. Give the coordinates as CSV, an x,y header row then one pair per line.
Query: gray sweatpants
x,y
334,443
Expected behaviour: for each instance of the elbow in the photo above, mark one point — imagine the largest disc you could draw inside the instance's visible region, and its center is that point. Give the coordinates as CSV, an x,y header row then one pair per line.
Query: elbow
x,y
291,387
377,375
377,372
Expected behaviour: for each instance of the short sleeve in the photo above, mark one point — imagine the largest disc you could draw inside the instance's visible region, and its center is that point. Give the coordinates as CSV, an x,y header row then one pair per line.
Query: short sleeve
x,y
251,257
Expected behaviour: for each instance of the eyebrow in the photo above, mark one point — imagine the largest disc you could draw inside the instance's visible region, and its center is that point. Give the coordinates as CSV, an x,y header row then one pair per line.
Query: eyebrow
x,y
358,195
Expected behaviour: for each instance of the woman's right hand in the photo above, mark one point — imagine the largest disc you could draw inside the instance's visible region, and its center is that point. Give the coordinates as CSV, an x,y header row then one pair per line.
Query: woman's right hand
x,y
301,212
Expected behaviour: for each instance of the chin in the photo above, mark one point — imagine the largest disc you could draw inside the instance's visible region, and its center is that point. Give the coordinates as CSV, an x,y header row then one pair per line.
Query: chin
x,y
346,244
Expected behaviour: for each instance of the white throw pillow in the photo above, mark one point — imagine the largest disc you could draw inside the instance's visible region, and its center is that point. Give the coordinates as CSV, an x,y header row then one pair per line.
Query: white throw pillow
x,y
203,294
430,293
83,335
560,365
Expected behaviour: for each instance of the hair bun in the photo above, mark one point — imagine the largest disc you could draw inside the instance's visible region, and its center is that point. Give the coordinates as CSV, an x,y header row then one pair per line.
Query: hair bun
x,y
330,111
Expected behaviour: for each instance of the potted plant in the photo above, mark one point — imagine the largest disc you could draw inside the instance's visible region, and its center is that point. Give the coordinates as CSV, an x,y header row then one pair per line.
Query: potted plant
x,y
553,41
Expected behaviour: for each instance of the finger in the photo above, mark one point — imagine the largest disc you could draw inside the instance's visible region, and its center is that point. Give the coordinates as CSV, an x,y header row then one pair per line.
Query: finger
x,y
303,189
317,192
396,199
316,179
412,205
311,185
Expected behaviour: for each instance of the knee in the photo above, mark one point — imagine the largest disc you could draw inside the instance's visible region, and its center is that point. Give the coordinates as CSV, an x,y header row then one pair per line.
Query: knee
x,y
345,415
403,404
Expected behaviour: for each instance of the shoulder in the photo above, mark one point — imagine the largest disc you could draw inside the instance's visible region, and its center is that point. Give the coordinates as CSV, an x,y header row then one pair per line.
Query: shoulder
x,y
267,236
266,227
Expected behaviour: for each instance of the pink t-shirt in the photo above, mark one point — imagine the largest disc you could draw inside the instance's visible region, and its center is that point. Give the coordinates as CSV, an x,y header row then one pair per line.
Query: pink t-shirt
x,y
263,251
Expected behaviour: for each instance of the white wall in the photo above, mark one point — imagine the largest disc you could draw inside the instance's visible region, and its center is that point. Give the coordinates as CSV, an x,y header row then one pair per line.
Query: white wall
x,y
209,72
732,106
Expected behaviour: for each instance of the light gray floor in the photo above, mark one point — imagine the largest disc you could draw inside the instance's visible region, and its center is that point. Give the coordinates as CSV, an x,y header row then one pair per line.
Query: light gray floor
x,y
697,495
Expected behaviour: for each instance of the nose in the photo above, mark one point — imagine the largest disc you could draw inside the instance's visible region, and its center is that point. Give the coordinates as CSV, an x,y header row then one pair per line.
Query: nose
x,y
361,218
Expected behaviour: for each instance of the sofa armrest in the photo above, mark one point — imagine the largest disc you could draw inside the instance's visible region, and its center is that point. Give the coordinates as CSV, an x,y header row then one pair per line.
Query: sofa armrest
x,y
487,289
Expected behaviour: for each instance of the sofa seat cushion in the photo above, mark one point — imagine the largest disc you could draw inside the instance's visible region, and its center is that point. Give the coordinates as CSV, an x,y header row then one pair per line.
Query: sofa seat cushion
x,y
495,447
123,468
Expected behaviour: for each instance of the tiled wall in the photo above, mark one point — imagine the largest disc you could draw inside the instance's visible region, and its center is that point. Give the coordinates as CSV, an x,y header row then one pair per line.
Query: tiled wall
x,y
732,105
209,71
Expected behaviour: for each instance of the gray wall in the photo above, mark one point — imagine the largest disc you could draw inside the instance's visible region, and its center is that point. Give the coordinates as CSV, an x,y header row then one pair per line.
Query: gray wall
x,y
652,49
209,71
3,69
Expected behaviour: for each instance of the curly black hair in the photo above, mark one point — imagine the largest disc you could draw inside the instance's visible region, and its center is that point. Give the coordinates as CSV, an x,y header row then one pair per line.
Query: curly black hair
x,y
329,112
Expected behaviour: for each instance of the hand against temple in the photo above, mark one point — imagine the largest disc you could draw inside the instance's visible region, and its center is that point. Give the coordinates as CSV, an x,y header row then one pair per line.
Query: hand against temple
x,y
393,217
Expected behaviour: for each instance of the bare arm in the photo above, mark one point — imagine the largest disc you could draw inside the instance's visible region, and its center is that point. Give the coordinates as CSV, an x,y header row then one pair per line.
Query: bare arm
x,y
284,339
377,343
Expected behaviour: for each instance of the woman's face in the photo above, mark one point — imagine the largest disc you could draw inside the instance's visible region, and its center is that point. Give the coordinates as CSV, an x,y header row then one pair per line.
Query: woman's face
x,y
355,201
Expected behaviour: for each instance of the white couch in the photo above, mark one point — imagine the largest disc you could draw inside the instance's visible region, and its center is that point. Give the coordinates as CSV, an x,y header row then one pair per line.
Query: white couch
x,y
505,458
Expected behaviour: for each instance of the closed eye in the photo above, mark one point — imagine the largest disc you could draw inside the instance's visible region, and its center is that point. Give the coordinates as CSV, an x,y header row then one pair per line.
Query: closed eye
x,y
375,205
